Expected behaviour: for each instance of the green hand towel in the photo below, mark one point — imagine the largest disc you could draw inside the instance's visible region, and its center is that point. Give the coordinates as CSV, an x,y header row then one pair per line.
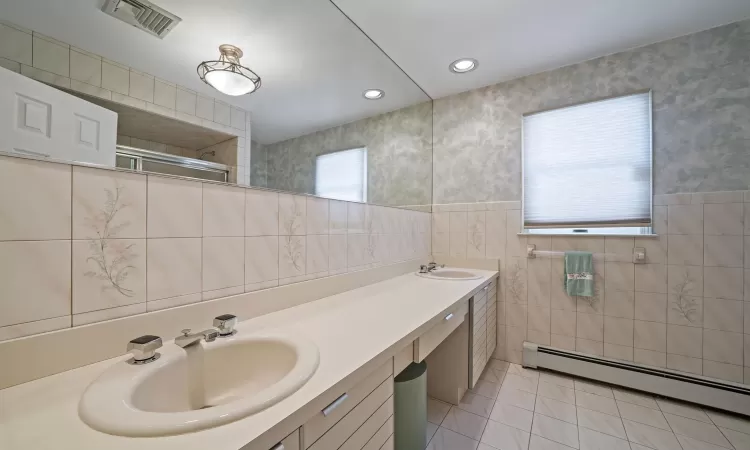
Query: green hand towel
x,y
578,276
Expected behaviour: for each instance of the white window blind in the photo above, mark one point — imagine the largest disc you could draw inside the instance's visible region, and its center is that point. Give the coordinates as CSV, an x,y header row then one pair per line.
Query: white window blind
x,y
589,165
342,175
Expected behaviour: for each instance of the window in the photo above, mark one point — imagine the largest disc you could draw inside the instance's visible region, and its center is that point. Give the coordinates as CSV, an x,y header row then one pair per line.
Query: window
x,y
587,168
342,175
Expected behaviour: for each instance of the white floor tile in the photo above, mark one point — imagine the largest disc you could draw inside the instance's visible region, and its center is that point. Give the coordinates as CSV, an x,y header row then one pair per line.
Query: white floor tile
x,y
556,409
697,430
556,392
594,388
597,403
510,396
513,416
642,414
496,364
540,443
446,439
430,431
692,444
436,410
593,440
555,430
603,423
466,423
492,375
486,389
636,398
682,409
503,437
733,422
739,440
557,379
477,404
654,438
521,383
523,371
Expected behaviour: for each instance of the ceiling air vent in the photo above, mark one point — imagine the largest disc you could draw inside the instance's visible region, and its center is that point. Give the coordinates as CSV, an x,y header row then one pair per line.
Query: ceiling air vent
x,y
142,15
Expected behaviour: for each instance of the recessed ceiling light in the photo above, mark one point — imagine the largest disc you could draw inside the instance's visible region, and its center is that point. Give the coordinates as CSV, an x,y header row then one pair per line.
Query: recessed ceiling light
x,y
463,65
373,94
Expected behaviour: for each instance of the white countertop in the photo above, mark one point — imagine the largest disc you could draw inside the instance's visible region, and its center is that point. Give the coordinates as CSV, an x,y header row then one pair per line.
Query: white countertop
x,y
350,330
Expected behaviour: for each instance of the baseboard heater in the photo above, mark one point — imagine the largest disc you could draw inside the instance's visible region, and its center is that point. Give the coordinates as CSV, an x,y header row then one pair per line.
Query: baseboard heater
x,y
710,392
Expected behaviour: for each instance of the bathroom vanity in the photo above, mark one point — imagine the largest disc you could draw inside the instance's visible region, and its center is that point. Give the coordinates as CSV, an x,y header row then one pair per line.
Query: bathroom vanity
x,y
348,401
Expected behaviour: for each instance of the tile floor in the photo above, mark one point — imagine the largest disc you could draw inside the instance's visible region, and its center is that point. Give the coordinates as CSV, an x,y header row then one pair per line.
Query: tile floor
x,y
513,408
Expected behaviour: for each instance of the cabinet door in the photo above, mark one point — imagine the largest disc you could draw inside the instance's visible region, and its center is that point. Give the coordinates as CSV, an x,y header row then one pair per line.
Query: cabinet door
x,y
39,120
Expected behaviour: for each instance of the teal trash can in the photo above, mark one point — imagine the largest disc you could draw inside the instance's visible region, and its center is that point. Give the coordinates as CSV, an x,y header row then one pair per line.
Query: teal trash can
x,y
410,408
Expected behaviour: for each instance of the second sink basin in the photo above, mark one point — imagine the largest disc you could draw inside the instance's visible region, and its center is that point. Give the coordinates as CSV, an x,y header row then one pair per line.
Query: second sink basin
x,y
450,274
200,387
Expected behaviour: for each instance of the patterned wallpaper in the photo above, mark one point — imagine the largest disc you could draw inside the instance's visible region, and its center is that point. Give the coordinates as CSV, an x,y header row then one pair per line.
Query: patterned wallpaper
x,y
701,102
399,156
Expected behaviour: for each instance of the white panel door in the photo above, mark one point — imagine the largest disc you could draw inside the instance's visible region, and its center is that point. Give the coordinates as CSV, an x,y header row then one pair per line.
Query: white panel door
x,y
39,120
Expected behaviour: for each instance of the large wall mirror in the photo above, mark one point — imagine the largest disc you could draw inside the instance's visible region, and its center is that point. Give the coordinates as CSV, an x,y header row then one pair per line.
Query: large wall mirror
x,y
309,128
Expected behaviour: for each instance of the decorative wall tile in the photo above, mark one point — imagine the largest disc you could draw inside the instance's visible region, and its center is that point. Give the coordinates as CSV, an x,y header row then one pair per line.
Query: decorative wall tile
x,y
650,336
722,371
441,243
204,107
650,357
108,273
261,259
108,205
15,45
115,78
725,251
185,101
685,364
173,302
223,262
292,256
261,213
723,282
685,341
35,281
141,86
109,314
174,207
85,68
223,210
651,278
317,254
221,113
685,219
173,268
43,211
51,57
317,215
619,331
337,252
619,303
165,94
725,315
619,276
337,217
685,249
723,219
292,215
237,118
722,346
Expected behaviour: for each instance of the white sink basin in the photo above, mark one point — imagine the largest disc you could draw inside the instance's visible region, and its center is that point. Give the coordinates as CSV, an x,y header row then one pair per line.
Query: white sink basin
x,y
200,387
450,274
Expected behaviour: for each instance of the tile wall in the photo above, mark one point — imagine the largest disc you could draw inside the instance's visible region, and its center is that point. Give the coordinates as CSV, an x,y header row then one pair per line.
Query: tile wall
x,y
687,308
56,63
82,245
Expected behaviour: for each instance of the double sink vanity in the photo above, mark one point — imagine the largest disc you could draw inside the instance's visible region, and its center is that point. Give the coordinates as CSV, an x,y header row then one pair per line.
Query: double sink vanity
x,y
318,376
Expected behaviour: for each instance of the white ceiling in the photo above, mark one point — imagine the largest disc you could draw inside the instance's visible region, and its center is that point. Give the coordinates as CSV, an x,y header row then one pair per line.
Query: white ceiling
x,y
313,62
513,38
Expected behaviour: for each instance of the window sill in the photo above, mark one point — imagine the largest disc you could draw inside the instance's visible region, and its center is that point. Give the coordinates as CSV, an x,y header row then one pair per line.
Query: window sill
x,y
590,235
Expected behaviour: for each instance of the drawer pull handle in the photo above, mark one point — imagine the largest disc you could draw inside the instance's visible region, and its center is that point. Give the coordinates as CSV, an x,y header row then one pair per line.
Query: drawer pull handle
x,y
279,446
486,287
329,409
449,316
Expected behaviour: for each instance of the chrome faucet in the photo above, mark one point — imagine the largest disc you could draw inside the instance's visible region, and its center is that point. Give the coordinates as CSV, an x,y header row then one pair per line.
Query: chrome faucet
x,y
187,339
433,266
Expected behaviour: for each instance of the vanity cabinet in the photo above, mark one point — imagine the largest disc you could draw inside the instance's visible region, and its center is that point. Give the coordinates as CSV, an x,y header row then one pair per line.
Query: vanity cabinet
x,y
358,419
483,329
290,442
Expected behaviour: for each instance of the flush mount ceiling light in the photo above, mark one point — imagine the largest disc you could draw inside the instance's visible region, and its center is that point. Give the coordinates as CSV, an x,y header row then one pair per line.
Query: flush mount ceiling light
x,y
373,94
227,75
463,65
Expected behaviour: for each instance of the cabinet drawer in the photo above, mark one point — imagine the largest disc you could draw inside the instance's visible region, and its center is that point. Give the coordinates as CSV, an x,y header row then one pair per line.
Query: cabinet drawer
x,y
359,439
479,314
381,437
433,337
479,344
492,294
480,302
350,423
479,328
389,444
290,442
317,426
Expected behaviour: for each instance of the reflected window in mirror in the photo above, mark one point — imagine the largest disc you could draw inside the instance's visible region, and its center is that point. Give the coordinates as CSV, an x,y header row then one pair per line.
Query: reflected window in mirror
x,y
342,175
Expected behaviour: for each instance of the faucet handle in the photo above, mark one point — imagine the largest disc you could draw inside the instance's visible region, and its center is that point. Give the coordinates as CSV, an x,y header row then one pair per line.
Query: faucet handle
x,y
144,349
225,323
186,331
